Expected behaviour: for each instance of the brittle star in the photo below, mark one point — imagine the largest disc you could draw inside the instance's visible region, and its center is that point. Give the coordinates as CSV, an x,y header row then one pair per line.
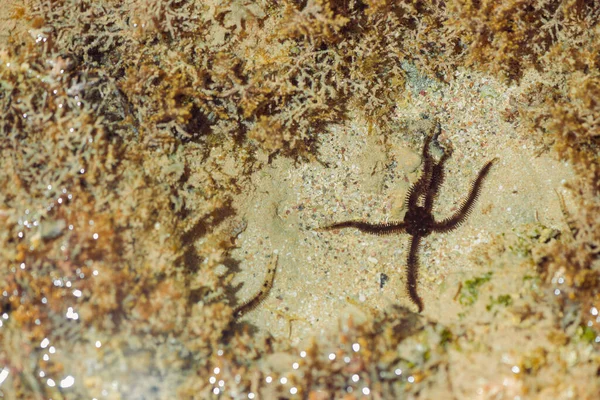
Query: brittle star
x,y
419,221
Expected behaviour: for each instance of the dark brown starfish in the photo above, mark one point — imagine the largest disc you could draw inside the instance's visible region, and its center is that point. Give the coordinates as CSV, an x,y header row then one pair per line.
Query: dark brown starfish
x,y
418,220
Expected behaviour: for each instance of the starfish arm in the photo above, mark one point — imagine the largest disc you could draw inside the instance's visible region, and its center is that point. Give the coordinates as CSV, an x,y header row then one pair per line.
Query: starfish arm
x,y
428,139
437,178
412,272
448,224
437,172
418,189
375,229
261,295
421,186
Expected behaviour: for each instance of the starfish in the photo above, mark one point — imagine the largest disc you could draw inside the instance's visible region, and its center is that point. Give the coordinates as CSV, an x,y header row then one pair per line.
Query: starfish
x,y
419,221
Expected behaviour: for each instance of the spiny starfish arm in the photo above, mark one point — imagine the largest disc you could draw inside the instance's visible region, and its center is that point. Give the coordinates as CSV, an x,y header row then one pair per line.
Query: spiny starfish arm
x,y
375,229
437,172
261,295
437,178
412,272
421,186
418,189
448,224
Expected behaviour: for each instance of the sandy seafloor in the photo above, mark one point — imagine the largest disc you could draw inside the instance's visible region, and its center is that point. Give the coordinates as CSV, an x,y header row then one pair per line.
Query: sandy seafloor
x,y
322,277
359,176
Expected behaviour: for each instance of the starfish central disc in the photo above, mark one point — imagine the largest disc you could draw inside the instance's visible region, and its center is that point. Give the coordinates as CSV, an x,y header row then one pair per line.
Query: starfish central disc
x,y
418,222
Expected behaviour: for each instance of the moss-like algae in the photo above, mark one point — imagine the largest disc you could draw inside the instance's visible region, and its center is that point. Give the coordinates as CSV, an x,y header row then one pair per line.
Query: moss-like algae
x,y
119,125
470,289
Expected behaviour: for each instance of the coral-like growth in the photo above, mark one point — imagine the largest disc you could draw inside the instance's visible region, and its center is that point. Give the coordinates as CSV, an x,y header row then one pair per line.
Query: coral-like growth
x,y
509,37
96,240
385,357
129,126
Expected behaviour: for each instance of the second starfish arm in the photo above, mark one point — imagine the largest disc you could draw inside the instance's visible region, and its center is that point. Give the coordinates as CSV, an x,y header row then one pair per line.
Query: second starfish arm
x,y
437,178
448,224
412,272
421,186
375,229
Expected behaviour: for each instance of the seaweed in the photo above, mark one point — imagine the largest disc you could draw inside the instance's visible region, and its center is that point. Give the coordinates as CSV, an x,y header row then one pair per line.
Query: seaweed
x,y
129,127
469,291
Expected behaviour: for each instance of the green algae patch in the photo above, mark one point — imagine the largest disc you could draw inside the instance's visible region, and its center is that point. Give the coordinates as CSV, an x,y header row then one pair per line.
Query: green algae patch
x,y
470,289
